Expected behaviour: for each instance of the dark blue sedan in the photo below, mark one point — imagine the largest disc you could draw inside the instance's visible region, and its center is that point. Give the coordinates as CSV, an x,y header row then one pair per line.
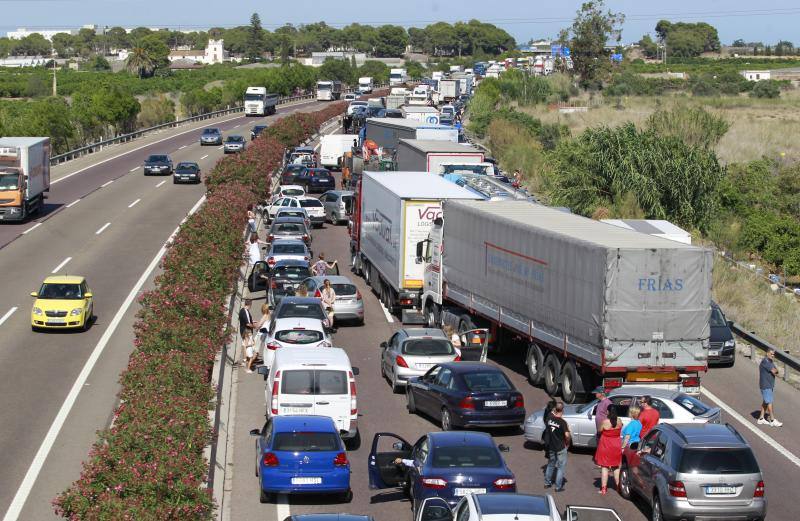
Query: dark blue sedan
x,y
448,465
466,394
301,455
315,180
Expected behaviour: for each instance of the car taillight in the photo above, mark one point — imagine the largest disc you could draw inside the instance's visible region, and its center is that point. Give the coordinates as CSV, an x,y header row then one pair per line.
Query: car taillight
x,y
272,346
306,259
691,381
759,490
341,460
435,483
457,358
273,285
519,402
318,294
467,403
305,236
401,362
358,295
505,483
270,238
676,489
270,460
274,404
271,261
353,395
612,383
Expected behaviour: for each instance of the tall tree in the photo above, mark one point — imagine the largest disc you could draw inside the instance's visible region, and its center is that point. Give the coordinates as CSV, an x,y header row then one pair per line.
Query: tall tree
x,y
140,62
591,31
255,38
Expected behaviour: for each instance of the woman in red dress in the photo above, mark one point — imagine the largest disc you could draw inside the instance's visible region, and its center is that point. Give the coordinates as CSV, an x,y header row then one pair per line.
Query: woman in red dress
x,y
609,449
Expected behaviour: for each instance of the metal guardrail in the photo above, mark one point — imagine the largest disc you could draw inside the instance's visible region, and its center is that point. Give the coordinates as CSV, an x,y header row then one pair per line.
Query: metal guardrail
x,y
99,145
790,363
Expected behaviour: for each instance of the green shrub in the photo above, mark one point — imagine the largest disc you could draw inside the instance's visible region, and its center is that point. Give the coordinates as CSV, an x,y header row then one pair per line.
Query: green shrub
x,y
694,125
766,89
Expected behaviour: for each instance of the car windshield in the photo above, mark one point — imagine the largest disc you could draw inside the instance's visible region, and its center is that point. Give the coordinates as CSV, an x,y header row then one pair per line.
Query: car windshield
x,y
487,381
291,272
717,320
288,228
210,131
297,310
428,347
310,203
465,456
308,381
344,289
279,249
187,166
718,461
693,405
291,192
465,169
61,291
9,181
157,158
306,442
299,336
235,139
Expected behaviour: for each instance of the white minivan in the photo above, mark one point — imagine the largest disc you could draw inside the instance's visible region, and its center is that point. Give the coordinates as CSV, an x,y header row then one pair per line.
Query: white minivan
x,y
309,380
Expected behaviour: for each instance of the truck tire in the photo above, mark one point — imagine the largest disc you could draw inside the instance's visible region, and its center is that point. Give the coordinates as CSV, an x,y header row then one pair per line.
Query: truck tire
x,y
433,315
569,381
535,363
367,273
552,374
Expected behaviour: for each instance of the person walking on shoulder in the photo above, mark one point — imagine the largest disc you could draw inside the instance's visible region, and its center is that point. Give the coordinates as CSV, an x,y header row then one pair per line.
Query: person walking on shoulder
x,y
557,439
609,449
766,382
649,417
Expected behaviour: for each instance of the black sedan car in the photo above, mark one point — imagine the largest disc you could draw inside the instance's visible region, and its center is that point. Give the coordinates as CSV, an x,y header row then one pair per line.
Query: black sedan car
x,y
290,173
256,131
317,180
284,277
722,345
186,172
158,164
466,394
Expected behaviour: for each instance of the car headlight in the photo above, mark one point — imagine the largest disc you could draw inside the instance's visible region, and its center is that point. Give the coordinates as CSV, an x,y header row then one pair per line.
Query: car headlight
x,y
730,343
37,311
76,311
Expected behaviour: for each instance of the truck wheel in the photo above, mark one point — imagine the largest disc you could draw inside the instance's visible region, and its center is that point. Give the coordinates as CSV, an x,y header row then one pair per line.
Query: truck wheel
x,y
552,372
535,363
569,381
433,317
367,274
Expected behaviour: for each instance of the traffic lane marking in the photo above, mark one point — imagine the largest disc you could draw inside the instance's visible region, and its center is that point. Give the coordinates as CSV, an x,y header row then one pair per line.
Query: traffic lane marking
x,y
73,203
32,228
63,263
8,314
181,148
386,313
161,183
205,156
769,440
134,203
134,169
106,184
102,228
24,490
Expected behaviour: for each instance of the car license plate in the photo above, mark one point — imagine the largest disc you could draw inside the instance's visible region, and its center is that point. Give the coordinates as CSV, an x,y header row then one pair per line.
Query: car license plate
x,y
296,410
495,403
713,353
424,366
306,481
720,490
464,491
57,320
691,390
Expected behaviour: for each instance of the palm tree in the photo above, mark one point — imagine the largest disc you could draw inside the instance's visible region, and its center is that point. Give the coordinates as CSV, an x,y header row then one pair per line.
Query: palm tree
x,y
140,61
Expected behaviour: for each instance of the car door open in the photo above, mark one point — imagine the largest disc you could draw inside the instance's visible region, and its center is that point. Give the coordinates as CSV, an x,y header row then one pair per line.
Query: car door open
x,y
257,280
383,471
434,509
583,513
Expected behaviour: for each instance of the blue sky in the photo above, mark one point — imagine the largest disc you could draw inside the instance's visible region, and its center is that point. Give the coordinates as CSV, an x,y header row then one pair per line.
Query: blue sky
x,y
768,22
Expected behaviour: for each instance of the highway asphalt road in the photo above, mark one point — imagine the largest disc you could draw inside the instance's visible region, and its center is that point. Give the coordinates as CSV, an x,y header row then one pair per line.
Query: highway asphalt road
x,y
381,411
107,221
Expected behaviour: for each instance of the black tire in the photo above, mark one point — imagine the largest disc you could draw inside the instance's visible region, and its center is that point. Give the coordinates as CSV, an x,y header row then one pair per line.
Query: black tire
x,y
87,323
552,373
174,181
396,388
569,381
433,315
625,481
353,443
346,497
535,364
360,322
264,497
447,420
410,405
367,269
657,513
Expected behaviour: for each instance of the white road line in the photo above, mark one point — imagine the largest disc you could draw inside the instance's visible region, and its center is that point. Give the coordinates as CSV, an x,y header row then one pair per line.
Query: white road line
x,y
205,156
32,228
134,169
35,468
106,184
8,314
63,263
317,147
783,451
102,228
282,509
220,148
237,126
134,203
161,183
73,203
386,313
181,148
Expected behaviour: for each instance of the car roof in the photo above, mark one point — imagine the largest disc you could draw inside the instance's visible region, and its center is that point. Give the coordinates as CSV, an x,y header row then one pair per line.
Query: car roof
x,y
317,169
456,438
664,394
295,187
260,126
288,219
235,136
305,423
303,150
471,367
279,240
310,324
420,332
508,503
64,279
290,262
299,300
706,435
303,356
209,130
335,279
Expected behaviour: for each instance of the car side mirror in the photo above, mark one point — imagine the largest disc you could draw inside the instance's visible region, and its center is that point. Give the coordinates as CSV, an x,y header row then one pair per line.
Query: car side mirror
x,y
504,448
34,293
356,371
263,370
384,345
730,323
88,294
255,432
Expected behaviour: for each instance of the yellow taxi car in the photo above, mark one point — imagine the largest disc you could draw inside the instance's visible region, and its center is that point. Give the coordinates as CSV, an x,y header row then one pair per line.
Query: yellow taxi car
x,y
63,302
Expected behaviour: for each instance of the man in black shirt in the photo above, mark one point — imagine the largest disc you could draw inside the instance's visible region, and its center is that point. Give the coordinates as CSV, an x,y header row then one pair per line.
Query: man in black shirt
x,y
557,440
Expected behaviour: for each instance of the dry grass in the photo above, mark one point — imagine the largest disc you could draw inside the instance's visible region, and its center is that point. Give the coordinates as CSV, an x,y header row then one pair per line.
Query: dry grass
x,y
747,299
758,127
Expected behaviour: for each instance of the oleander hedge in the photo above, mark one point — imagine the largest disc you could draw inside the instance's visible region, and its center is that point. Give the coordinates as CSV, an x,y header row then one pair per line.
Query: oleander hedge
x,y
149,465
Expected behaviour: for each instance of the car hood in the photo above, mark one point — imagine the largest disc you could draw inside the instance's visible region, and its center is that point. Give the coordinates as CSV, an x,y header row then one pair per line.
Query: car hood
x,y
58,304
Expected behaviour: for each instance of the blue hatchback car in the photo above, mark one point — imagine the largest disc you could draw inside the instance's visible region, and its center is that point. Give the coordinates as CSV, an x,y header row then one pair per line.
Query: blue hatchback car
x,y
448,465
301,455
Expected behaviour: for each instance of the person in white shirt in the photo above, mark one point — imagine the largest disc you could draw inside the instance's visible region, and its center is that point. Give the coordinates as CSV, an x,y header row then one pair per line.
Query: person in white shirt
x,y
328,299
254,249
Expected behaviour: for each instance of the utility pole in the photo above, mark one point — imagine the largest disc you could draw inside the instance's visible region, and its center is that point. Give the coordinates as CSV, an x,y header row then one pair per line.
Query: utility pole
x,y
55,83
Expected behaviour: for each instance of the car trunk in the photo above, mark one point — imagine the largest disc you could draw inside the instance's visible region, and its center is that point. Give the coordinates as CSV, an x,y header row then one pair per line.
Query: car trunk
x,y
494,400
318,392
473,480
423,363
729,490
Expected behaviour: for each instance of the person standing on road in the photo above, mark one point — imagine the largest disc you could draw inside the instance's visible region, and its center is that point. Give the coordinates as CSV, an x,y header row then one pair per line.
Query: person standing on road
x,y
649,417
328,296
254,249
251,219
249,350
262,328
601,413
557,439
766,382
609,449
631,431
246,323
320,268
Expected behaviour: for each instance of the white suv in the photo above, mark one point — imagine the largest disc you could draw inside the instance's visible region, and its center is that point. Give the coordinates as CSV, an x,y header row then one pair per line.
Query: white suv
x,y
314,208
294,332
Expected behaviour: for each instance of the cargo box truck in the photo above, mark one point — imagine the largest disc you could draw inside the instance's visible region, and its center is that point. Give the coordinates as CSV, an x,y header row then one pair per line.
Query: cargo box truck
x,y
24,176
387,132
365,85
416,155
449,90
587,303
393,211
258,102
333,147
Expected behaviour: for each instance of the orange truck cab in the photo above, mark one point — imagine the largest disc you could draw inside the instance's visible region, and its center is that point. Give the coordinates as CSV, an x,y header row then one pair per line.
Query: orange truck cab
x,y
24,176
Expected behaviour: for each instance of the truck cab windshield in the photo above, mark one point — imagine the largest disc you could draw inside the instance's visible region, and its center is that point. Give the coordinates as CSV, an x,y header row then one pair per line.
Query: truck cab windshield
x,y
465,169
9,181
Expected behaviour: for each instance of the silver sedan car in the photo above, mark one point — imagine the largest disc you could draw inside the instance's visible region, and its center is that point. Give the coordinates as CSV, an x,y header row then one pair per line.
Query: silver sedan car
x,y
411,352
349,305
672,406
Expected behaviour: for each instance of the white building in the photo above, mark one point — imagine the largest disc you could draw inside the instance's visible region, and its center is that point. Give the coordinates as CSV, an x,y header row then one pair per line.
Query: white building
x,y
23,61
756,75
318,58
22,32
214,53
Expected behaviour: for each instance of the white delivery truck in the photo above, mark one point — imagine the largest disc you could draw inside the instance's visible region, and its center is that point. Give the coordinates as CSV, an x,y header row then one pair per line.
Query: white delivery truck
x,y
329,90
449,90
418,155
421,95
332,148
24,176
258,102
396,210
365,85
421,113
397,76
387,132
